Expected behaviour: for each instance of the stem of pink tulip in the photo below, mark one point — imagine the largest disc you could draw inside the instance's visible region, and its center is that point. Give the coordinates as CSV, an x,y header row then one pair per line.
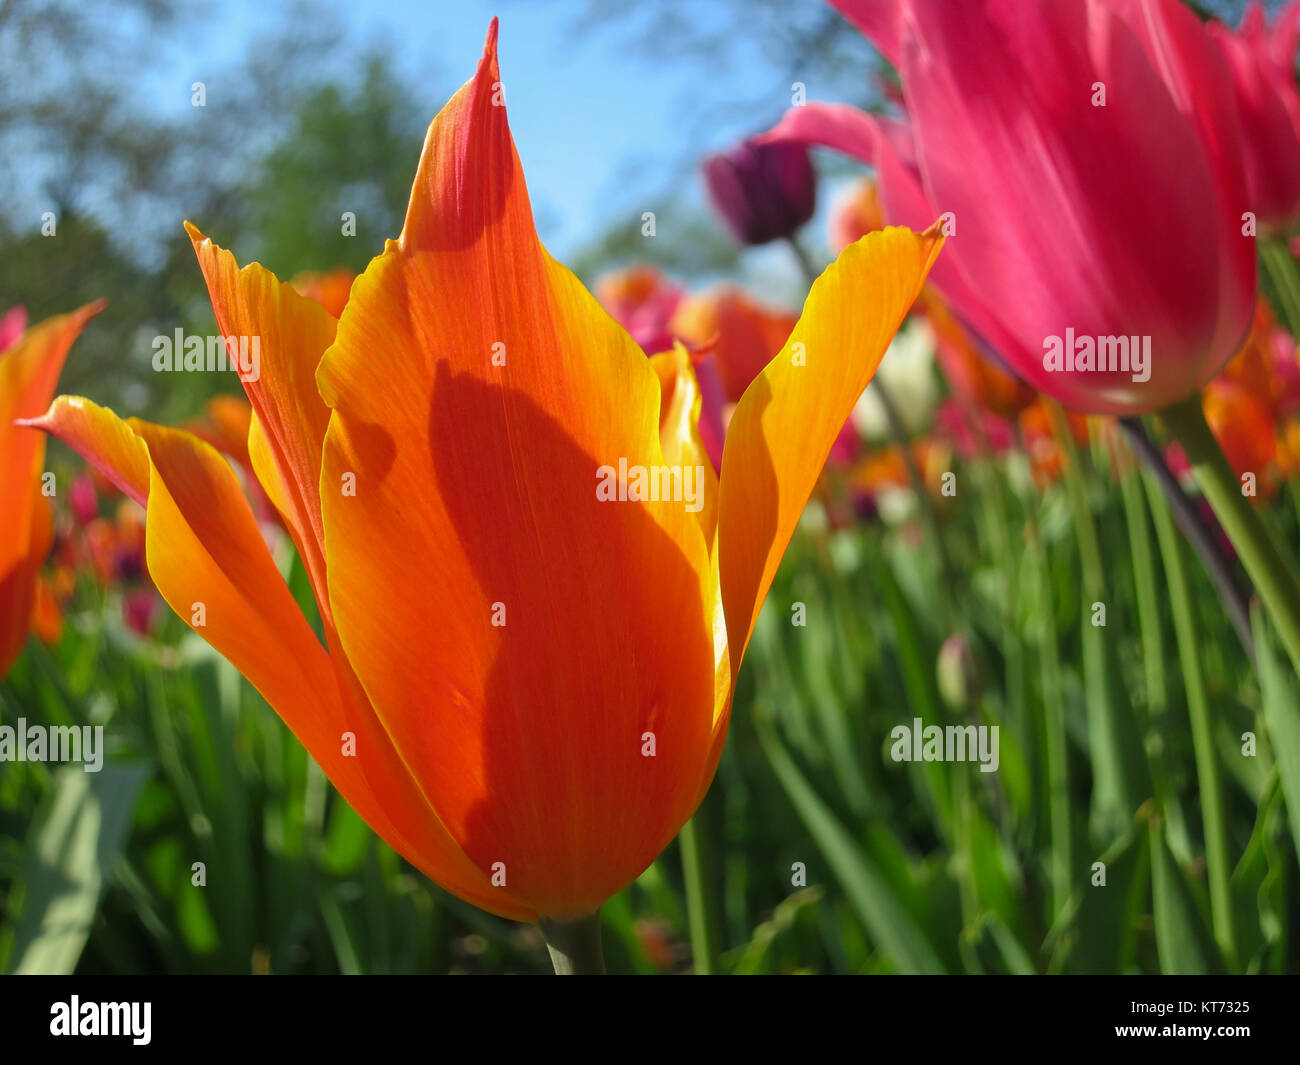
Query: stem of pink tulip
x,y
1272,572
575,945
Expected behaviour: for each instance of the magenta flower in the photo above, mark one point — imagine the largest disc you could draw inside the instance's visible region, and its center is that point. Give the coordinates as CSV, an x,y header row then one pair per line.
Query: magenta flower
x,y
762,192
1086,158
1262,61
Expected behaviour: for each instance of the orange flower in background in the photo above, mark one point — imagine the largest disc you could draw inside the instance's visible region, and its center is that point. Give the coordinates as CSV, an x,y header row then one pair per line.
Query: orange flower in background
x,y
29,372
330,289
973,375
1243,424
741,335
225,424
733,338
1288,450
1266,366
643,301
525,686
1046,456
854,213
47,616
885,468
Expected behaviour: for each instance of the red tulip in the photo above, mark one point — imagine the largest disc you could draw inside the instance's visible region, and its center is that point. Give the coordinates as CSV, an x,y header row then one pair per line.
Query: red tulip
x,y
1087,158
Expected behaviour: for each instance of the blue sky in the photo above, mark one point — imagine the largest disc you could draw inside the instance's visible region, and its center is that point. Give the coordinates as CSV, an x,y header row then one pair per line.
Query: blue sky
x,y
602,118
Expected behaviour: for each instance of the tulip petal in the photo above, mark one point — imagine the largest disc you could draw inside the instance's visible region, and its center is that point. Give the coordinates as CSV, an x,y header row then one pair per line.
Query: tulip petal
x,y
880,22
209,562
103,439
292,333
788,419
29,373
524,642
840,127
679,429
1181,47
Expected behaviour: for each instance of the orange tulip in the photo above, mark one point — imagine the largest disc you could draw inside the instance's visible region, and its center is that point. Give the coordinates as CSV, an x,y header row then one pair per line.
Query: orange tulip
x,y
29,371
524,688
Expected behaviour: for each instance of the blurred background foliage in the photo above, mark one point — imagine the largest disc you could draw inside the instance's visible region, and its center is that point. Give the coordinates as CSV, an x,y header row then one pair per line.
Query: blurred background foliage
x,y
908,867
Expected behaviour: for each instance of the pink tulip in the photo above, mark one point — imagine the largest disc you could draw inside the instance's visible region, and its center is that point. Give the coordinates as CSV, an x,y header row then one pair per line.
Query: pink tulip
x,y
1262,61
1087,160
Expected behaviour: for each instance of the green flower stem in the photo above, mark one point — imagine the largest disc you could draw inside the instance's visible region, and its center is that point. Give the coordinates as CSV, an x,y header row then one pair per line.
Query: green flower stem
x,y
700,913
996,521
1222,570
1061,858
1153,657
575,945
1114,800
1271,571
924,504
1207,767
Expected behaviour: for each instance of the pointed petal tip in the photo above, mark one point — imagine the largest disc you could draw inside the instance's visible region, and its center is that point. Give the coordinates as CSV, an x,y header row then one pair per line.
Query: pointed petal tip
x,y
87,311
195,234
488,64
46,421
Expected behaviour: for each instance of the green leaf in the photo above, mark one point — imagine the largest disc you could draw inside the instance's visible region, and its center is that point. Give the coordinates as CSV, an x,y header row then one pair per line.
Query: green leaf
x,y
1281,716
1182,938
885,917
74,840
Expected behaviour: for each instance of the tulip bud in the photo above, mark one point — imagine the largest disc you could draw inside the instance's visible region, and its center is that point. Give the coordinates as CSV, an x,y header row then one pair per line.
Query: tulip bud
x,y
762,192
958,677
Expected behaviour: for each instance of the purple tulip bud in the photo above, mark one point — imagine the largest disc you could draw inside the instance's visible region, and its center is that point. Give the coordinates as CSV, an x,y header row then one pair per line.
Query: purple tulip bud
x,y
762,192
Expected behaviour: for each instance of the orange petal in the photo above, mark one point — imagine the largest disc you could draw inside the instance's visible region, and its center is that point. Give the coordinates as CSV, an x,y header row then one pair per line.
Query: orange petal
x,y
292,332
518,636
679,429
29,372
209,562
787,420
